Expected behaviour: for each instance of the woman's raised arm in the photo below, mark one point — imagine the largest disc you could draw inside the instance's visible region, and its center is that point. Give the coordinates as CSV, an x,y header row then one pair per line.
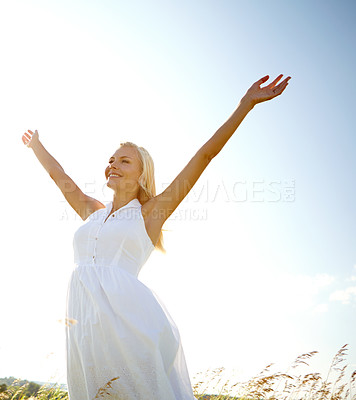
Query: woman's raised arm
x,y
81,203
163,205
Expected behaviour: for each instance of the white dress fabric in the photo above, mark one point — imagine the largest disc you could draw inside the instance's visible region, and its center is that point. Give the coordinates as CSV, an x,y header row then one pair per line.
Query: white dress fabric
x,y
122,344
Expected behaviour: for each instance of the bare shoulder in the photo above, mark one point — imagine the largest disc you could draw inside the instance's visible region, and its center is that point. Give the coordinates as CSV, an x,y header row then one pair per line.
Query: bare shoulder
x,y
91,206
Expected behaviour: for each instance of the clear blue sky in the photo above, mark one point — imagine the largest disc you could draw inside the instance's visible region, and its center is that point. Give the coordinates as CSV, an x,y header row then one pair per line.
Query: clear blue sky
x,y
278,273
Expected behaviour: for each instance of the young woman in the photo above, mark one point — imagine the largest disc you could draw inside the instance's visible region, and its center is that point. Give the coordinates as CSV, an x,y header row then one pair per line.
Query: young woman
x,y
121,341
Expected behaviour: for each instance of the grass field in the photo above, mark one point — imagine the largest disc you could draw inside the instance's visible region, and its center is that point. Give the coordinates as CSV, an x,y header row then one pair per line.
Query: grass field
x,y
288,385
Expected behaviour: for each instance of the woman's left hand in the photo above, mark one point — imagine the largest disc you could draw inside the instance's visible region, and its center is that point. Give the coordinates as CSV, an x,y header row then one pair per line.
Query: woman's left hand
x,y
256,94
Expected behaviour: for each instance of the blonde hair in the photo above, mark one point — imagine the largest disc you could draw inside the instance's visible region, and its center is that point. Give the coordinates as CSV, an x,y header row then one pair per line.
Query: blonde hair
x,y
146,181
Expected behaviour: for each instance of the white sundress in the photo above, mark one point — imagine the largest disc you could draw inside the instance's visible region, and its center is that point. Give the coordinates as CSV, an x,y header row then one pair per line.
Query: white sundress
x,y
122,344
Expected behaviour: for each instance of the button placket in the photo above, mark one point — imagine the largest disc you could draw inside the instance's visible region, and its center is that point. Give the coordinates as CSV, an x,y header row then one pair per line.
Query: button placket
x,y
105,219
96,239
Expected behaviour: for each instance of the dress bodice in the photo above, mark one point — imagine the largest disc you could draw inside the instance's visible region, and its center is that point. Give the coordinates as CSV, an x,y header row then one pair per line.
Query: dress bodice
x,y
120,241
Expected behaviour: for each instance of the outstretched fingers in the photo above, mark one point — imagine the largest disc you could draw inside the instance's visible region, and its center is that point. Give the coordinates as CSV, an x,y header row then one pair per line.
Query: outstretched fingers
x,y
262,80
277,90
27,137
273,84
257,94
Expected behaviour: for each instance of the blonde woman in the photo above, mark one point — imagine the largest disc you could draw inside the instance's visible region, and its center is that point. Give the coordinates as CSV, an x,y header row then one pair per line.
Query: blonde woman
x,y
121,341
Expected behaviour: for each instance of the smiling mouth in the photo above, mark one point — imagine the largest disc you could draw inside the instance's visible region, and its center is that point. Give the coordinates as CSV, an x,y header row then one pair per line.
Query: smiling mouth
x,y
114,176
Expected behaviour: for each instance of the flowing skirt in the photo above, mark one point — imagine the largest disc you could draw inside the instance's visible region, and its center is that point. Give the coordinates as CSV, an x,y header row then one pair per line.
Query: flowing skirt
x,y
122,344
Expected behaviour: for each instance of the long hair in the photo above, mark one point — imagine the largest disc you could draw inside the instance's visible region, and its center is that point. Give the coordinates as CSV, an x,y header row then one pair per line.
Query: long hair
x,y
146,181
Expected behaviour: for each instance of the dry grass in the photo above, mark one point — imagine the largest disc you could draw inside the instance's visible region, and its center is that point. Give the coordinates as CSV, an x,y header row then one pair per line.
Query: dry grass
x,y
46,392
105,390
286,385
266,385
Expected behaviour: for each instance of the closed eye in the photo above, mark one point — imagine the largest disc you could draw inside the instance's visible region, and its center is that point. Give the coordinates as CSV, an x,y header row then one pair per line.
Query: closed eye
x,y
124,160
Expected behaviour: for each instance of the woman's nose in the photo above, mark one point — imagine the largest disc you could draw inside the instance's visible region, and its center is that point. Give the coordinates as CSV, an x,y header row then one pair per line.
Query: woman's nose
x,y
114,168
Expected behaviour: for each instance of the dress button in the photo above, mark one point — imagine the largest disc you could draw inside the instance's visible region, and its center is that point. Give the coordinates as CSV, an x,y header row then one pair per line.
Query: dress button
x,y
113,215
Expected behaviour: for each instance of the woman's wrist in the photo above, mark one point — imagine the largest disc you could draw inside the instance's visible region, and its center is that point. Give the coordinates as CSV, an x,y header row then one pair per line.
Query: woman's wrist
x,y
34,144
247,102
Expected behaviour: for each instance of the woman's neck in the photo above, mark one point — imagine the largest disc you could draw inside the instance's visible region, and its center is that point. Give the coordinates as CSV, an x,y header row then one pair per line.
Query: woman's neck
x,y
120,201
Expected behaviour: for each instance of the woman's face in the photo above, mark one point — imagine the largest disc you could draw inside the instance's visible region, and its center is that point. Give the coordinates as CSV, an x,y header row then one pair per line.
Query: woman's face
x,y
123,170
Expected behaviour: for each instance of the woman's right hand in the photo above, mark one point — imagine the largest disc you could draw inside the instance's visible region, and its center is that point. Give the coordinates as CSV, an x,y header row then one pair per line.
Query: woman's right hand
x,y
30,138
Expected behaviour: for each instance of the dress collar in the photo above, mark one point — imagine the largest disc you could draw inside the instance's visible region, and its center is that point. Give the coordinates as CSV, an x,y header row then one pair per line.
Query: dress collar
x,y
131,204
